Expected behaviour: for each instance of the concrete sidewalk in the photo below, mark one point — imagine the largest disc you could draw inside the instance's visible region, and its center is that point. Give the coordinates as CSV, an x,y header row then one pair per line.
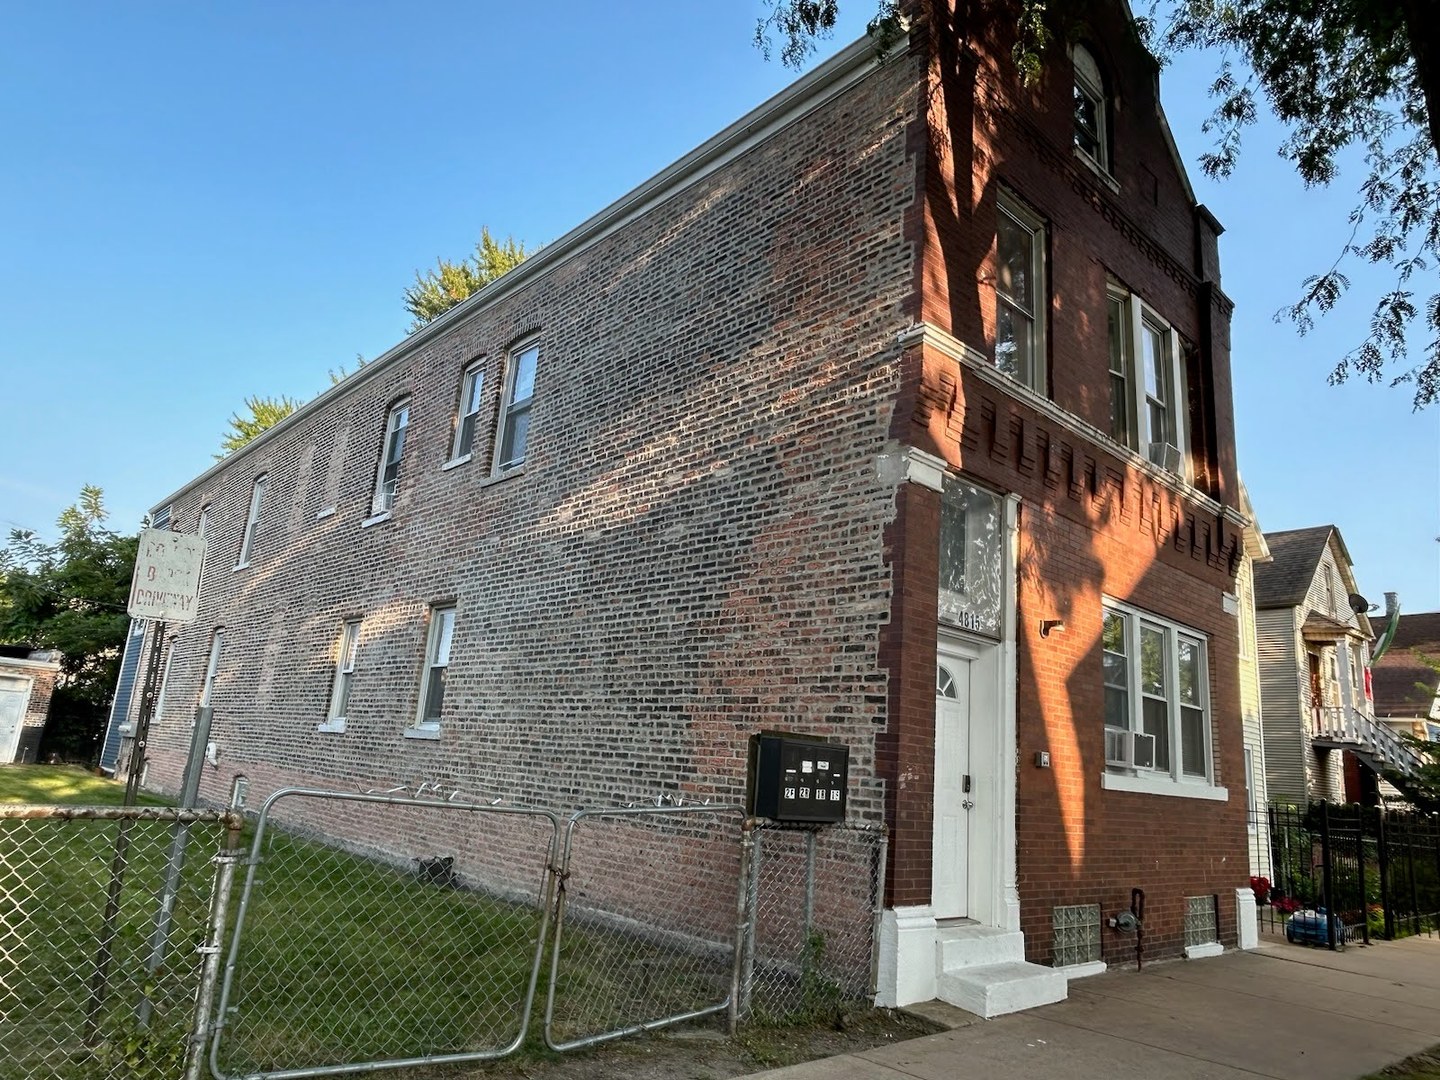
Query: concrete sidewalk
x,y
1282,1011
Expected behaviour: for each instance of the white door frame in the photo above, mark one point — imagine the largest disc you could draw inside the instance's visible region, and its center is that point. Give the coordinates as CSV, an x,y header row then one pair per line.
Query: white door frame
x,y
7,753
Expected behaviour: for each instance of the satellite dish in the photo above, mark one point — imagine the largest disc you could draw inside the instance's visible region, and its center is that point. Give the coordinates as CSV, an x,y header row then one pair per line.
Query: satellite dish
x,y
1359,604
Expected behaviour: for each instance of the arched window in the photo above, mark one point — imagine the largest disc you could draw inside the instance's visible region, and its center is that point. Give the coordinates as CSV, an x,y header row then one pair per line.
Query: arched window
x,y
1091,108
945,683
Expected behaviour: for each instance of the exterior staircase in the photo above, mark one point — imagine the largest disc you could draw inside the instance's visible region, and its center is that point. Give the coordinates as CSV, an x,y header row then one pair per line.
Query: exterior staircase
x,y
1345,727
982,970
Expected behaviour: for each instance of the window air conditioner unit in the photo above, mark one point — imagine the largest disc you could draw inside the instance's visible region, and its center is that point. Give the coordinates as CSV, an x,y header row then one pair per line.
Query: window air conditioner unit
x,y
382,501
1129,749
1166,455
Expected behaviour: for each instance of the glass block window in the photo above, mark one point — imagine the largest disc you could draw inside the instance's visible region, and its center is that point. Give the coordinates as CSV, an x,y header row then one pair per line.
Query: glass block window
x,y
972,557
1202,922
1077,935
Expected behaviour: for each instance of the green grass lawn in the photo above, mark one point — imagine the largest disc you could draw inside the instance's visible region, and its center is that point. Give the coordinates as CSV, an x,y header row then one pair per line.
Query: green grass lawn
x,y
1422,1066
63,784
343,958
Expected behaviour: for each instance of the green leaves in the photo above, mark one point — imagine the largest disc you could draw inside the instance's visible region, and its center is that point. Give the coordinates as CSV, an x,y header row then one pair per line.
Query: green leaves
x,y
264,413
437,291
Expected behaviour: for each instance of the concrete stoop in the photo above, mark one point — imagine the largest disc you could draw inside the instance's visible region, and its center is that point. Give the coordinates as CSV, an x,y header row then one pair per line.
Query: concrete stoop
x,y
983,971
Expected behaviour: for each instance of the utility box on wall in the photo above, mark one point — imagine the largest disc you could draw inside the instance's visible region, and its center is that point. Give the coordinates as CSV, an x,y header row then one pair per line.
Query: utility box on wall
x,y
795,778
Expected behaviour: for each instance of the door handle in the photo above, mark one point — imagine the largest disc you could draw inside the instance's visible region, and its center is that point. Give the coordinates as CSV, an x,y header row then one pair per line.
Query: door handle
x,y
968,805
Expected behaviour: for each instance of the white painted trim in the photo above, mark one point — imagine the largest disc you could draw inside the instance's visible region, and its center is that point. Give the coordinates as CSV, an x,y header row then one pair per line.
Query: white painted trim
x,y
421,732
1145,785
29,665
850,66
933,337
1007,876
334,726
907,964
455,463
321,515
1200,952
375,519
1085,970
1247,919
926,470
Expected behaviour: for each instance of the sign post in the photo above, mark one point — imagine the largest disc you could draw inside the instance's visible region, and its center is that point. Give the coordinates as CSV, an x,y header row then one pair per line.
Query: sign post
x,y
165,588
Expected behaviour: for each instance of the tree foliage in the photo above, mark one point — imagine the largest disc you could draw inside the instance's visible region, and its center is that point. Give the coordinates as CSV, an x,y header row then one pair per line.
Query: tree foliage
x,y
70,596
1345,79
437,291
262,413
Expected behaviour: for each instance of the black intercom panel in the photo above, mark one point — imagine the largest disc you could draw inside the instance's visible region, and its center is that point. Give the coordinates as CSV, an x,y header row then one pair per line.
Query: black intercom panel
x,y
797,778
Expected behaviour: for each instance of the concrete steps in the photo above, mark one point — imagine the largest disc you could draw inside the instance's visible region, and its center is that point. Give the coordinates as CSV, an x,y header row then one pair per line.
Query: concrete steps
x,y
983,970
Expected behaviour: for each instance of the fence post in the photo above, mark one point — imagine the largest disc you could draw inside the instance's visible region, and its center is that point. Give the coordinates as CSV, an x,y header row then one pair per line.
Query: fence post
x,y
752,928
878,915
743,916
214,943
1360,864
1415,922
809,885
1385,899
1327,879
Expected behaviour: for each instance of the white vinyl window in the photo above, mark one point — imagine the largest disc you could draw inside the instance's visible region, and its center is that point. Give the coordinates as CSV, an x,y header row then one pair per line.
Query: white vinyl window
x,y
1147,399
515,416
1157,714
472,388
437,663
346,650
169,647
1020,293
247,538
212,668
1090,108
387,479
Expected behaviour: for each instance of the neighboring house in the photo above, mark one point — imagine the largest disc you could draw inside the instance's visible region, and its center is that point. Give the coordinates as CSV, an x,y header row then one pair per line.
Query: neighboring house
x,y
1257,798
1407,678
27,679
897,413
1321,737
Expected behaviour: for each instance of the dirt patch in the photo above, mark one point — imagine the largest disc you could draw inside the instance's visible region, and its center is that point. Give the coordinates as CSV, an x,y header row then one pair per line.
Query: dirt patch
x,y
704,1051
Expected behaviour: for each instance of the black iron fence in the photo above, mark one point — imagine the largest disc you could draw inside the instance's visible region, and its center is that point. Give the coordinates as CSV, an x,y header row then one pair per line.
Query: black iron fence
x,y
1348,873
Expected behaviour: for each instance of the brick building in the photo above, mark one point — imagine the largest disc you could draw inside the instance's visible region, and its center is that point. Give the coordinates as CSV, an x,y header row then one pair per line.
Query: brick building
x,y
27,681
897,413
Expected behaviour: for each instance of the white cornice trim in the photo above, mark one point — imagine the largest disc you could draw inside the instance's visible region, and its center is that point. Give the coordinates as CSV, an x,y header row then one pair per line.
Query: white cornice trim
x,y
925,469
29,665
828,81
935,338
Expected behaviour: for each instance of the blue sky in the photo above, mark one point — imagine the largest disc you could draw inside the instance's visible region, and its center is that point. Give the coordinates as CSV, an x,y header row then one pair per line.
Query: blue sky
x,y
203,201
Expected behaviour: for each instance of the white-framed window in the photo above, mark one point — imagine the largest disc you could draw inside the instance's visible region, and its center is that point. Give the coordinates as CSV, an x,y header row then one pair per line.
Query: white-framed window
x,y
1020,293
346,650
1157,710
1147,384
392,449
169,647
212,667
437,663
202,523
1091,106
472,389
247,538
515,414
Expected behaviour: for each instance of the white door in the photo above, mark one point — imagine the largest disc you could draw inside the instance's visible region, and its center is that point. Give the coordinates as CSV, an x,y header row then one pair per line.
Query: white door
x,y
14,697
954,789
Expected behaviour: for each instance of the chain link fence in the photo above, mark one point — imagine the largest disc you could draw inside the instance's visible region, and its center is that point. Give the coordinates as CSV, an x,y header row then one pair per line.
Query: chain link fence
x,y
372,931
103,939
408,932
815,895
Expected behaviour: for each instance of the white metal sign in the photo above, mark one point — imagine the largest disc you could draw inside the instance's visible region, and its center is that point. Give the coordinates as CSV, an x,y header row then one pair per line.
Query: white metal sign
x,y
166,586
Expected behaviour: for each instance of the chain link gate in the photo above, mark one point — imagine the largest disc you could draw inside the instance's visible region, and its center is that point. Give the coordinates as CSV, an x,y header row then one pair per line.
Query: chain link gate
x,y
106,939
352,953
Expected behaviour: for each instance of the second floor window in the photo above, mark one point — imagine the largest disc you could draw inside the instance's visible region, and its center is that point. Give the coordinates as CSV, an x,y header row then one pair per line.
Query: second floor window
x,y
212,669
247,538
515,416
387,481
1090,119
1020,294
472,386
1147,395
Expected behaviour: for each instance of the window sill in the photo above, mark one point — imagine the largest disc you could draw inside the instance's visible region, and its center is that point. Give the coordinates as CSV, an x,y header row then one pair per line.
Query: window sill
x,y
1099,170
1085,970
329,511
1199,952
125,730
422,731
375,519
332,727
455,463
241,565
501,477
1146,785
